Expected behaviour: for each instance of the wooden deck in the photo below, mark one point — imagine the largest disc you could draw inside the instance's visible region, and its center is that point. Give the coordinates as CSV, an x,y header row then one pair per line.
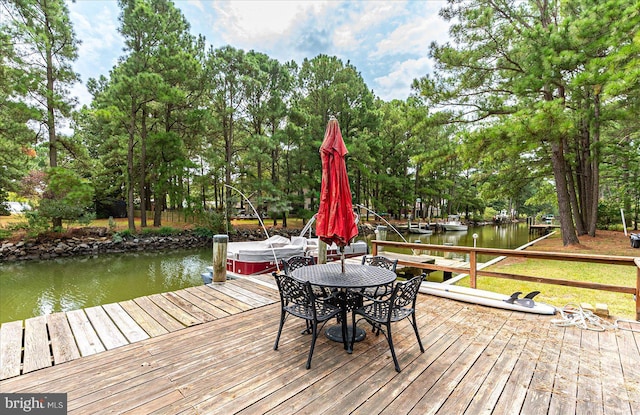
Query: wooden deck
x,y
50,340
477,360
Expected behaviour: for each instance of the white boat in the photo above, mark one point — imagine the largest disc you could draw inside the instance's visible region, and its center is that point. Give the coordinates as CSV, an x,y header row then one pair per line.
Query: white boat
x,y
486,298
453,224
261,257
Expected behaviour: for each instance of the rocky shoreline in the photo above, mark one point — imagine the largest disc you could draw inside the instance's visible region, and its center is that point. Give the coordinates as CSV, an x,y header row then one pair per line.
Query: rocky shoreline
x,y
95,241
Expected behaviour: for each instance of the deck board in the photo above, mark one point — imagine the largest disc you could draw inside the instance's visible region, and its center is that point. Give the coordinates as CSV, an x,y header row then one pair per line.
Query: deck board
x,y
63,344
477,360
10,349
158,314
88,341
143,319
125,323
36,344
105,328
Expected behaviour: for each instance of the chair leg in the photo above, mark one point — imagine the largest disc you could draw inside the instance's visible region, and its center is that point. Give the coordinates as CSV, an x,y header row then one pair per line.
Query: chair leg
x,y
352,340
415,329
393,352
314,335
283,316
307,330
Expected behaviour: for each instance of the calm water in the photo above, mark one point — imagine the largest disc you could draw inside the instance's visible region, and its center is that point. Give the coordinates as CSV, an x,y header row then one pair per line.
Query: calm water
x,y
37,288
489,236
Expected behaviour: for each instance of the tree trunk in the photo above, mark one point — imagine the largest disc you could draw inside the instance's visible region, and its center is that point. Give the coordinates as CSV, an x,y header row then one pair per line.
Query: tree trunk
x,y
569,236
130,169
595,166
143,168
160,199
51,121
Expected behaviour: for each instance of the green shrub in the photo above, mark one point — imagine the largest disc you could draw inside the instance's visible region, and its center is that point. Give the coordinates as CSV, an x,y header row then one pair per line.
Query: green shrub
x,y
4,234
86,218
112,224
124,234
211,220
203,232
37,223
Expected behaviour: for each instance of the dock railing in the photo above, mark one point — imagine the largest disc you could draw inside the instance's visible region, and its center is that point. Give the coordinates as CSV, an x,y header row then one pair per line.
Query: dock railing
x,y
474,272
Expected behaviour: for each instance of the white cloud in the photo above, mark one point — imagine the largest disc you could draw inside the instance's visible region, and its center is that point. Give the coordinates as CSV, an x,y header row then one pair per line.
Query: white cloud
x,y
258,22
197,4
98,32
415,35
397,83
387,41
362,24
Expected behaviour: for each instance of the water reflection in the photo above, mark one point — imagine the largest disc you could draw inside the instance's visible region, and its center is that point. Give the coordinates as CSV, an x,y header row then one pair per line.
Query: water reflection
x,y
42,287
507,236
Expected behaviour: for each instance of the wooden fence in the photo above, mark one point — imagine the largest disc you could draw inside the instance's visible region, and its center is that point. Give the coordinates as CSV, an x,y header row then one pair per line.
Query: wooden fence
x,y
474,272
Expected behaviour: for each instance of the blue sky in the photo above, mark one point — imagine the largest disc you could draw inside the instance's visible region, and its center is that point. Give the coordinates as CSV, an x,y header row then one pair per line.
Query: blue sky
x,y
387,41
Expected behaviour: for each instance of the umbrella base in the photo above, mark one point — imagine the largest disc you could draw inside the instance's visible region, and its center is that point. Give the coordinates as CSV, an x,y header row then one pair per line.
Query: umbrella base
x,y
335,333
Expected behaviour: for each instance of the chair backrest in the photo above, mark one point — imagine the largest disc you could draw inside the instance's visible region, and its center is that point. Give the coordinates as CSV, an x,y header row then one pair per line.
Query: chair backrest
x,y
292,291
380,261
405,293
295,262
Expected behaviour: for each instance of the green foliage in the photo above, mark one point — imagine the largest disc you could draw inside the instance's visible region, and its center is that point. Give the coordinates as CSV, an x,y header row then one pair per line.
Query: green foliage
x,y
122,235
172,123
210,221
5,234
86,218
37,223
112,224
609,214
203,232
68,196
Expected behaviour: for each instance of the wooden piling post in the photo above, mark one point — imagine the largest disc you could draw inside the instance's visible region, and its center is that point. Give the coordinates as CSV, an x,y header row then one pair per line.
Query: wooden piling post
x,y
473,268
322,252
381,235
220,257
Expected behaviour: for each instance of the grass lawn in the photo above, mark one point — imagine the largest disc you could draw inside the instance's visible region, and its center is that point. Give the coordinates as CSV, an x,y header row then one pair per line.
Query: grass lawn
x,y
605,243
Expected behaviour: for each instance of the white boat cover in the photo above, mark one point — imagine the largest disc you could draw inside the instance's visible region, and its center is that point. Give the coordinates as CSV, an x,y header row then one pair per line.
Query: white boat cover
x,y
283,248
260,251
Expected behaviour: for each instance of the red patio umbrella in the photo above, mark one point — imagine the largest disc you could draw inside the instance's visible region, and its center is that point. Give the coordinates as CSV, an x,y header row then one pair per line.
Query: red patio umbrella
x,y
335,222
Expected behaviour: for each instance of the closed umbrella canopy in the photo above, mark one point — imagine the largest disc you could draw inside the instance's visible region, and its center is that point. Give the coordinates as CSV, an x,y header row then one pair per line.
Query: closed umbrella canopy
x,y
335,222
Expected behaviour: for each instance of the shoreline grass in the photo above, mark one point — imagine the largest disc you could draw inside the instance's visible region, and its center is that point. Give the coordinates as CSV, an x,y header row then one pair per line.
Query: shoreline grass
x,y
610,243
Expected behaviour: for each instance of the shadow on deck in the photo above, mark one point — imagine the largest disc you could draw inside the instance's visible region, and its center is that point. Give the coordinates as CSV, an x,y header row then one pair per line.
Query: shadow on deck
x,y
477,360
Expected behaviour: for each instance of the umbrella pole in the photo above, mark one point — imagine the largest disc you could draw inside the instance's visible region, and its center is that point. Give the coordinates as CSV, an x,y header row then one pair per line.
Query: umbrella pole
x,y
342,257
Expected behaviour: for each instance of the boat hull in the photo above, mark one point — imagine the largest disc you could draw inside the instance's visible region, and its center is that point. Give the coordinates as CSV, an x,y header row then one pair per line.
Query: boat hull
x,y
455,227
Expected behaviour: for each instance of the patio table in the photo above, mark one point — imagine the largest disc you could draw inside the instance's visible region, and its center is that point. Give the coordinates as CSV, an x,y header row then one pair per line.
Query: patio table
x,y
355,277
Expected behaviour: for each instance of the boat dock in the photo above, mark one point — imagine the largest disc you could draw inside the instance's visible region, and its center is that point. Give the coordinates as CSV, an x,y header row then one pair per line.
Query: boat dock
x,y
447,265
45,341
221,360
542,229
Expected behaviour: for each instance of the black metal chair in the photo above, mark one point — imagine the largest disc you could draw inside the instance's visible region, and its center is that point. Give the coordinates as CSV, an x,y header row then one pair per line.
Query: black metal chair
x,y
381,262
295,262
298,299
380,313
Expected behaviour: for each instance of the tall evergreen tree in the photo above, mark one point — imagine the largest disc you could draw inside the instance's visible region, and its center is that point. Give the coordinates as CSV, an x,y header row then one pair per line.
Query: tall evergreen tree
x,y
538,66
47,48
